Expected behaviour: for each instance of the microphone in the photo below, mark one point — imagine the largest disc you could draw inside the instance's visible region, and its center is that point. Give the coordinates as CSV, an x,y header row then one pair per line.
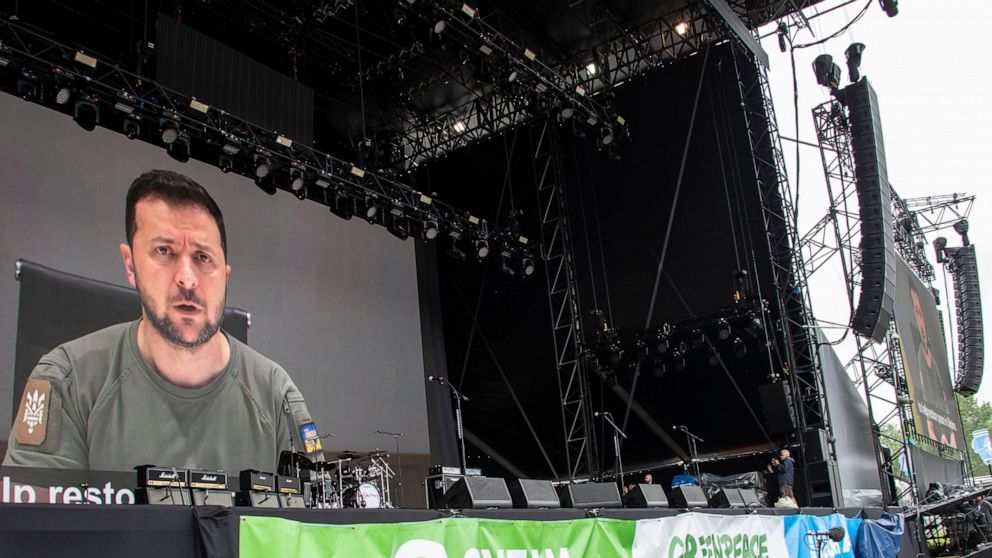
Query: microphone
x,y
438,379
835,534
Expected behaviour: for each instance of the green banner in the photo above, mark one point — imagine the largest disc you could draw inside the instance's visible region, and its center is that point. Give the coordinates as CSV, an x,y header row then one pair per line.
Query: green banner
x,y
264,537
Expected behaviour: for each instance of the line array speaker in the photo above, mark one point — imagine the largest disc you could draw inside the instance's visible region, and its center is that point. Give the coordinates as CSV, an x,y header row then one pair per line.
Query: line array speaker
x,y
776,402
825,484
968,307
874,311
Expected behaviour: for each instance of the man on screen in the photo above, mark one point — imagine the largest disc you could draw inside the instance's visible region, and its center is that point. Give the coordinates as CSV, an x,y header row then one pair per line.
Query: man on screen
x,y
170,388
932,380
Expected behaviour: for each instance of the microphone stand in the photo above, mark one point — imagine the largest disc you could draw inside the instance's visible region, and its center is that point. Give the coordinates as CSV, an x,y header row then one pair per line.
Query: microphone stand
x,y
693,453
616,445
399,460
458,420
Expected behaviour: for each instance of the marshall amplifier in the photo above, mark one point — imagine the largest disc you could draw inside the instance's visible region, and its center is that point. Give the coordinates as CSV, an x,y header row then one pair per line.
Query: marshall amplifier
x,y
289,492
209,488
154,476
258,490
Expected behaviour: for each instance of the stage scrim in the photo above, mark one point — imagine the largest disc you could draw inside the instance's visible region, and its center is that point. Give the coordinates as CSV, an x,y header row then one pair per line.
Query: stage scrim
x,y
924,356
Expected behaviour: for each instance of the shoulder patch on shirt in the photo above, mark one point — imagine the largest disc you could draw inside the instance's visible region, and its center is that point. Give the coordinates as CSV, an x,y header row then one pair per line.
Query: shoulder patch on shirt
x,y
33,414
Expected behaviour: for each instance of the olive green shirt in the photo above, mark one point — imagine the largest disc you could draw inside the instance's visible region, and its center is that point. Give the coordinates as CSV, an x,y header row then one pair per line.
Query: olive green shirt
x,y
94,403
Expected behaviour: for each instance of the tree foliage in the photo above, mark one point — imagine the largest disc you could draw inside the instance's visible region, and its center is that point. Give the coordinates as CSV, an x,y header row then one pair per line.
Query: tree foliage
x,y
975,415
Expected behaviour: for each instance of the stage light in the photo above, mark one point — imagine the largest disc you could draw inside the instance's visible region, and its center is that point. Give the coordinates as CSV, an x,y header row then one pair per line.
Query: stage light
x,y
660,343
298,186
485,49
440,26
853,55
342,205
371,209
512,77
4,61
169,130
827,73
459,126
28,87
567,112
469,10
723,329
265,184
528,266
658,368
429,230
607,136
87,114
939,246
740,349
481,248
591,68
678,361
697,339
682,28
505,267
454,250
131,128
179,149
63,95
225,163
399,227
890,7
713,358
961,227
262,166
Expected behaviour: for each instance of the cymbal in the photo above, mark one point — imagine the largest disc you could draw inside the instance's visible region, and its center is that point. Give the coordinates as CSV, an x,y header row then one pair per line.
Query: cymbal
x,y
352,454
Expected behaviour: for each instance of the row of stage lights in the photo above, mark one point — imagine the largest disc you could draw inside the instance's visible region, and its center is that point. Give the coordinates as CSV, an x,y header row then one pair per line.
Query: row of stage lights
x,y
735,331
187,128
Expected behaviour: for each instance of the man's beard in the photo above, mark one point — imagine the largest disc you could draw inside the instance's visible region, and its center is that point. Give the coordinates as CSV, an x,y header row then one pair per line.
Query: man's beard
x,y
168,330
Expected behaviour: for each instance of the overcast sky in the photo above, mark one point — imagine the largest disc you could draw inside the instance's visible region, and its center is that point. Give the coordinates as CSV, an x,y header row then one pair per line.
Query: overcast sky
x,y
930,68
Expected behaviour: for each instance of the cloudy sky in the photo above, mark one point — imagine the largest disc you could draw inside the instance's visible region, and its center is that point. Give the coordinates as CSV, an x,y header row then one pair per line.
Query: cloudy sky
x,y
931,71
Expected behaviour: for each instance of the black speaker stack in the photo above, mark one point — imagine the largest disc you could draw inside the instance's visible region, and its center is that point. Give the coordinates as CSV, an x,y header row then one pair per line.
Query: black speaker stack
x,y
822,472
777,404
968,307
874,311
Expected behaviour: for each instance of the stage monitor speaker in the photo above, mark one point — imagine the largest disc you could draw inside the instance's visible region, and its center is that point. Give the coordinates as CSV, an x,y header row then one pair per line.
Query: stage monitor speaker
x,y
825,484
968,304
815,445
751,497
589,495
533,494
687,496
875,303
478,493
776,401
727,498
645,496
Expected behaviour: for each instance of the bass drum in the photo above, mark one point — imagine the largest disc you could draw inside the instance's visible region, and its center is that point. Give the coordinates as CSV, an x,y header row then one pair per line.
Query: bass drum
x,y
364,495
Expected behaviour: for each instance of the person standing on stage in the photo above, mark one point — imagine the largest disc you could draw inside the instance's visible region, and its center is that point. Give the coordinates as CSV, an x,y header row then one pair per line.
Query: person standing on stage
x,y
170,388
784,468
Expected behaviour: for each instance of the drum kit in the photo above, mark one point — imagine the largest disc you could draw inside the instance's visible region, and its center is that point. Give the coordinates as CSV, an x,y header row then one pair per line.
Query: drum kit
x,y
353,480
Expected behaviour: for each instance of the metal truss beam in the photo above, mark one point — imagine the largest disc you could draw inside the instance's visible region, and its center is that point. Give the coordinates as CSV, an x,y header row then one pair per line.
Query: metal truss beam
x,y
581,451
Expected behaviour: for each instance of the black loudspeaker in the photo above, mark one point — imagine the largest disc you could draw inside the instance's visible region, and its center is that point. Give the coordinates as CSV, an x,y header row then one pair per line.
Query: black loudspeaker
x,y
589,495
815,445
687,496
531,494
727,498
968,305
751,497
646,496
478,493
776,401
825,485
874,310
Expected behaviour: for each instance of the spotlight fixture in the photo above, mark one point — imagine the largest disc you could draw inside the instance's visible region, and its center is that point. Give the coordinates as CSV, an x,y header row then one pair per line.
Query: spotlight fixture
x,y
440,26
740,349
342,205
723,329
63,95
697,339
606,136
28,87
505,267
225,163
853,55
567,112
262,166
454,250
371,209
460,126
429,230
179,149
87,114
661,343
131,128
399,226
591,68
528,266
169,130
481,248
678,361
298,186
961,227
682,28
827,73
713,357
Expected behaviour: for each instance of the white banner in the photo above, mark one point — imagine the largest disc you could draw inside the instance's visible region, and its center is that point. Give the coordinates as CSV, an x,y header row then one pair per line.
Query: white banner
x,y
696,535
